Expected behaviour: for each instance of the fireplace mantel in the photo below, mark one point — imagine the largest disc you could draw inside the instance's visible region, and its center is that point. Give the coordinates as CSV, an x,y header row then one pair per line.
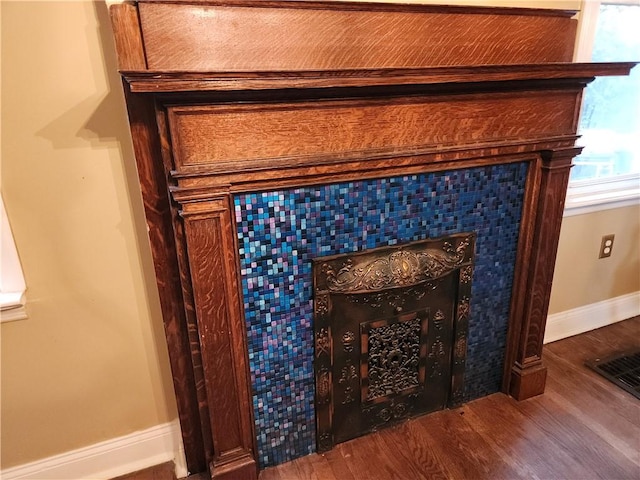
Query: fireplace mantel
x,y
239,96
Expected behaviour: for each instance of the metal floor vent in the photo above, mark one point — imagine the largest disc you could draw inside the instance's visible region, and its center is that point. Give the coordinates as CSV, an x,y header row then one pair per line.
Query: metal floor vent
x,y
622,369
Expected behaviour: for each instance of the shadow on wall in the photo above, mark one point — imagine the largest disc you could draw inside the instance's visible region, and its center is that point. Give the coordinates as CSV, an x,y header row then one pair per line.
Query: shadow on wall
x,y
106,121
101,124
101,121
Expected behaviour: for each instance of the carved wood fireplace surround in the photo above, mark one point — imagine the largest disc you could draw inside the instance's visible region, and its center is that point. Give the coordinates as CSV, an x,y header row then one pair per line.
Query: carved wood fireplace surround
x,y
232,98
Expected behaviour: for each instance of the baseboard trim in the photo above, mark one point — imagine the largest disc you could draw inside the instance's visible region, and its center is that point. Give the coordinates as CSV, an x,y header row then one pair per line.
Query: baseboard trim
x,y
109,459
583,319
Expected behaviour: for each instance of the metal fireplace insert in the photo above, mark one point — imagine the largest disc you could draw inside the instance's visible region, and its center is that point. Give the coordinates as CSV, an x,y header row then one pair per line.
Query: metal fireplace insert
x,y
390,334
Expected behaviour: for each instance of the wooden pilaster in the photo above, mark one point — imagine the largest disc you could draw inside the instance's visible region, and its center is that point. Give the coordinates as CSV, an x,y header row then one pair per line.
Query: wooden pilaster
x,y
528,374
212,261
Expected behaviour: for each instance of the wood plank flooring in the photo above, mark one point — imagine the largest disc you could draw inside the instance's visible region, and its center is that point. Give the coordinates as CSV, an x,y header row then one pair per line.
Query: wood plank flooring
x,y
164,471
583,427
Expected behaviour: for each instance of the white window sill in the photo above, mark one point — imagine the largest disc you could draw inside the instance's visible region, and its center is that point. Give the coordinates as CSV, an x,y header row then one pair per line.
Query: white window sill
x,y
589,196
12,306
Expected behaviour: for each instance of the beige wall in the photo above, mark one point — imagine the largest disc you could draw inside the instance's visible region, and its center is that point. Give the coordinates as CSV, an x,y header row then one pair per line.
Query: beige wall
x,y
580,277
90,363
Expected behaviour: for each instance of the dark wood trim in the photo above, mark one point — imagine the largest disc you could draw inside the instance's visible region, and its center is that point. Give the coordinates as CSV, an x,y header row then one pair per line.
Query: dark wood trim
x,y
528,375
521,273
203,190
372,159
262,131
212,262
129,44
194,350
187,81
154,186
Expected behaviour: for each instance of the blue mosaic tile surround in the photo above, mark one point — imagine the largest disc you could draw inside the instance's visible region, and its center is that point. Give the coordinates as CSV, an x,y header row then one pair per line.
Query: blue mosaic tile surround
x,y
280,232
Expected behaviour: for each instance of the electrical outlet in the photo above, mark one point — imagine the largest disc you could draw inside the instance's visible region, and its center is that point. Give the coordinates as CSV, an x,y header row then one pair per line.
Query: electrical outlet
x,y
606,246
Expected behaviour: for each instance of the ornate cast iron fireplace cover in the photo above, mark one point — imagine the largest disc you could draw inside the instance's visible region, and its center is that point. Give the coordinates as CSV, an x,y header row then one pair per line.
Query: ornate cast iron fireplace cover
x,y
390,334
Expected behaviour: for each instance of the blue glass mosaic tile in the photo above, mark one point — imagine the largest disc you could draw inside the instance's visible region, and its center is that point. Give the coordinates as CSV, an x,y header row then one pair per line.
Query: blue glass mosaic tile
x,y
279,232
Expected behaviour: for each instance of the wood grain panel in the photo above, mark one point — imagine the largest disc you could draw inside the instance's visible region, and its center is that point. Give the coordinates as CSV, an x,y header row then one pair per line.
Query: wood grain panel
x,y
204,182
187,294
206,135
128,39
205,259
287,37
222,338
528,375
555,177
522,267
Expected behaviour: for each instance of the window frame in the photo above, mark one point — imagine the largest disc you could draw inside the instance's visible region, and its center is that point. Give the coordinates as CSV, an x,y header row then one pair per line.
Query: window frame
x,y
12,284
592,195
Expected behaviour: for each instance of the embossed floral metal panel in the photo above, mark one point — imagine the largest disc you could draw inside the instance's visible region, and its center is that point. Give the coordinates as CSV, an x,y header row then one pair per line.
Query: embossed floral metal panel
x,y
390,334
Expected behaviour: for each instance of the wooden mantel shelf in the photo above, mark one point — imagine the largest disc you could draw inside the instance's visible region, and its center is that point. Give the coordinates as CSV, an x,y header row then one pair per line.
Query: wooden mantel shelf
x,y
230,96
146,81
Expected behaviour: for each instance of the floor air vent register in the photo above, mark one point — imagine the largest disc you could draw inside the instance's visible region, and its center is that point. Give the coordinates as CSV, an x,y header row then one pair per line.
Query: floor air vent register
x,y
390,334
623,369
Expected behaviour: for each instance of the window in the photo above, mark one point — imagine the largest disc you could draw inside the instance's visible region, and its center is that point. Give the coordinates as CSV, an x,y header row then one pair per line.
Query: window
x,y
607,173
12,286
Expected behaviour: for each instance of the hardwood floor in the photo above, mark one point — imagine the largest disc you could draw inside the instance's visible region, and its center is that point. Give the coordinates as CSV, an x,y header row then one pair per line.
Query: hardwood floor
x,y
164,471
583,427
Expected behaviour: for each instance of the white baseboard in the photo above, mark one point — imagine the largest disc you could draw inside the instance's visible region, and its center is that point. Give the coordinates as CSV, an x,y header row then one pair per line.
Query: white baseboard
x,y
105,460
583,319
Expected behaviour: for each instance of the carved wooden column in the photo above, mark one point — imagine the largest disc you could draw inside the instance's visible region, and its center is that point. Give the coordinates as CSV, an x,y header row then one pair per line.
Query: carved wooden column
x,y
528,374
212,265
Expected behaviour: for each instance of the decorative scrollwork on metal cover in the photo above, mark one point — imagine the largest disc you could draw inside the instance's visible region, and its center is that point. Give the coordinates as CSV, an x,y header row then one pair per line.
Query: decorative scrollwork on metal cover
x,y
325,442
457,397
323,344
438,354
466,273
396,299
349,374
390,327
323,386
321,304
438,320
400,410
394,355
460,348
348,340
385,414
394,411
401,268
463,309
